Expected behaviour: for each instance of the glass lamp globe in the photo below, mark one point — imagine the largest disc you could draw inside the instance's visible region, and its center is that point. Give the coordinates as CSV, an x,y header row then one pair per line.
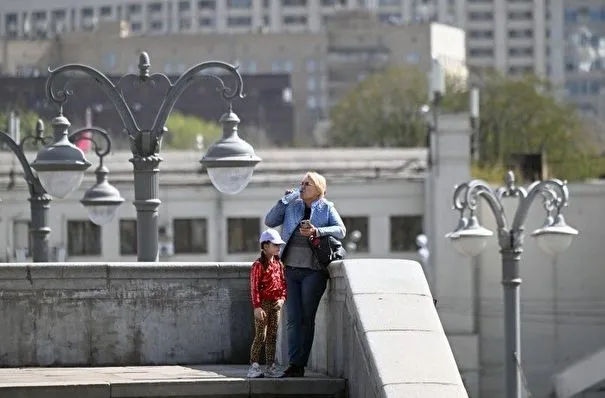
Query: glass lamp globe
x,y
60,166
102,199
103,214
556,237
471,240
230,161
230,180
60,184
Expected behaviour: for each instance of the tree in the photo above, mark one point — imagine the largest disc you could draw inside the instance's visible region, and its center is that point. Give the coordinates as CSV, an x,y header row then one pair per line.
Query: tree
x,y
522,115
183,131
384,110
517,115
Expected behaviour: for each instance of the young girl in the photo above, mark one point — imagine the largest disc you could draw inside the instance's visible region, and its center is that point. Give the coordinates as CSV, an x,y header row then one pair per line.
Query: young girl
x,y
268,291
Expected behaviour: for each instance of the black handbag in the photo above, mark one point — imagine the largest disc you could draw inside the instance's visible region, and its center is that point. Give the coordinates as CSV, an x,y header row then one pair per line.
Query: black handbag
x,y
326,249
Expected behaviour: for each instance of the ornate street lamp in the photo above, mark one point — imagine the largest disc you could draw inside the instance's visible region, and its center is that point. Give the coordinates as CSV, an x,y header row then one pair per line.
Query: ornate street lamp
x,y
39,200
470,238
102,199
230,162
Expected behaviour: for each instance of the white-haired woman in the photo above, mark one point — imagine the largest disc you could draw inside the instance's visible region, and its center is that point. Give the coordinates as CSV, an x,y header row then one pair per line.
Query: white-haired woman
x,y
303,213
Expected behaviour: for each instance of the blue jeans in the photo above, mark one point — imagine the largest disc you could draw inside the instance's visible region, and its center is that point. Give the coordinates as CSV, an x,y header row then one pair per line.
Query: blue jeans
x,y
305,288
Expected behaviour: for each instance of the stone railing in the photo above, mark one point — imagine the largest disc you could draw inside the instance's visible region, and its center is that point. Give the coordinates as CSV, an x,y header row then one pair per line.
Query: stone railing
x,y
378,328
377,325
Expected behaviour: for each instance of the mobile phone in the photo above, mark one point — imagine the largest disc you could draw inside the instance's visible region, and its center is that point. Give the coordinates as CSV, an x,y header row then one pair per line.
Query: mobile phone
x,y
305,223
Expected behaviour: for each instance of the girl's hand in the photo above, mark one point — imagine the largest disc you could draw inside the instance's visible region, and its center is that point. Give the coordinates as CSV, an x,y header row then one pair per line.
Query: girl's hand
x,y
279,304
259,314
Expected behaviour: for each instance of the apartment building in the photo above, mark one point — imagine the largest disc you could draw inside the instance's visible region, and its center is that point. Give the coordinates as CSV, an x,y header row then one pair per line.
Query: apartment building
x,y
322,65
20,18
583,55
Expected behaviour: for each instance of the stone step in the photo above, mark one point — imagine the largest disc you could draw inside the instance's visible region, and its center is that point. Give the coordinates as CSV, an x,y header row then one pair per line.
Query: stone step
x,y
182,381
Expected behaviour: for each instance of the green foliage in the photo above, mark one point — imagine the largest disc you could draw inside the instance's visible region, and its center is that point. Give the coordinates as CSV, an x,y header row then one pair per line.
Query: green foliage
x,y
184,129
517,115
522,116
382,110
27,124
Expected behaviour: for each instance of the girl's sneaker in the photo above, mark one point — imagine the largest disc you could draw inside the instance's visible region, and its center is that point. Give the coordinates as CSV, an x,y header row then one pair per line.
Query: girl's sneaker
x,y
255,372
273,371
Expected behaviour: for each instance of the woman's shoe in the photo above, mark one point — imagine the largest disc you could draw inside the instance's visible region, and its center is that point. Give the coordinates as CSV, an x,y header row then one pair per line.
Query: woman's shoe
x,y
255,371
294,371
273,371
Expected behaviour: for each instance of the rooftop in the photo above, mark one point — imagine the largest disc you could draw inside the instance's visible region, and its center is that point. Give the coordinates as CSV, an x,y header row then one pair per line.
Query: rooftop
x,y
278,165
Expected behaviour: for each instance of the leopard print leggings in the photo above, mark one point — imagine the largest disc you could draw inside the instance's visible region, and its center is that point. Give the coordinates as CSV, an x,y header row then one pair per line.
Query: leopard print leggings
x,y
265,333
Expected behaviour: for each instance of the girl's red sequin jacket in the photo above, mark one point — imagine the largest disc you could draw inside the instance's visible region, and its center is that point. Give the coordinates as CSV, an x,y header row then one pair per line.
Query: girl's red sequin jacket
x,y
267,284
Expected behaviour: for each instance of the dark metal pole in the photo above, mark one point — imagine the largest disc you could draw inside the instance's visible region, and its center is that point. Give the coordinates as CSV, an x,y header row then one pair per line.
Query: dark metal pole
x,y
39,230
147,203
511,282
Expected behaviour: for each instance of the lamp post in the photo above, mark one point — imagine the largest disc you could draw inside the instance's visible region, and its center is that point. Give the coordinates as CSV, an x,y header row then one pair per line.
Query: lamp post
x,y
39,200
230,161
102,199
470,238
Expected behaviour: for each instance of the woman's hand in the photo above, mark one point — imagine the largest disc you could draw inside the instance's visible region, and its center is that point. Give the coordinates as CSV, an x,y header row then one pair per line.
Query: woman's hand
x,y
259,314
308,230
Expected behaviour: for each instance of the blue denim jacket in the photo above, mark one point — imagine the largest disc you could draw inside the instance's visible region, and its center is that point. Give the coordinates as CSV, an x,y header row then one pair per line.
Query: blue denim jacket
x,y
289,212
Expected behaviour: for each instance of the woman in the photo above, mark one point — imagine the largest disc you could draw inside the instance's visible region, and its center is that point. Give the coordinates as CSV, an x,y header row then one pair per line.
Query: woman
x,y
302,214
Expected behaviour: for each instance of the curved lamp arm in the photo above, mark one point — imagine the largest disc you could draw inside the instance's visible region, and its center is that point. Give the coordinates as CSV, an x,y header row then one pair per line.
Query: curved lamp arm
x,y
466,196
100,151
554,193
59,95
190,77
33,183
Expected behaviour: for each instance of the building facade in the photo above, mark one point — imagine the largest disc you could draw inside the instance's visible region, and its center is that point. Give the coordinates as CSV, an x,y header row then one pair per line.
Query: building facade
x,y
322,66
37,18
200,224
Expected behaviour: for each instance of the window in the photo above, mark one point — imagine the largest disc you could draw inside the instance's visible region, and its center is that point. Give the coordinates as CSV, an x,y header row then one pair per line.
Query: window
x,y
404,230
155,7
481,52
105,11
156,25
242,235
481,34
239,21
83,238
134,9
184,24
190,235
295,20
22,241
239,3
294,3
87,12
206,4
128,237
184,6
359,223
206,22
481,16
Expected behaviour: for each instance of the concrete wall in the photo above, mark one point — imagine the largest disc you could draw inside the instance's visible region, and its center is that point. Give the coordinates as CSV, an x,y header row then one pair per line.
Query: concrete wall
x,y
124,314
377,325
